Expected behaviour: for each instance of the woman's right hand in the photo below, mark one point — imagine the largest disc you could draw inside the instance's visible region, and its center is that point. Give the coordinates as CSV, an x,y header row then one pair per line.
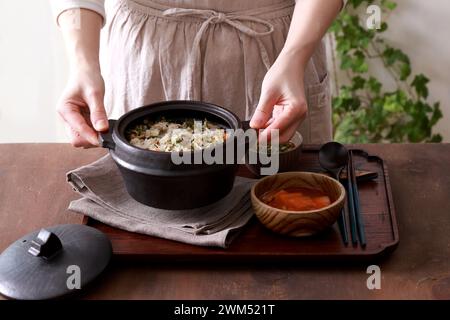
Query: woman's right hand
x,y
81,104
81,107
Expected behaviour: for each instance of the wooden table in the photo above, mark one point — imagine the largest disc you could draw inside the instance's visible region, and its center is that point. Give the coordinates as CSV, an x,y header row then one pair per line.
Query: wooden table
x,y
34,194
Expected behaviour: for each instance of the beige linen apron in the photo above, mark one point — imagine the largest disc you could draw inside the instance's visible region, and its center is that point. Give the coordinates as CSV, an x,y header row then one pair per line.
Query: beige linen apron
x,y
211,50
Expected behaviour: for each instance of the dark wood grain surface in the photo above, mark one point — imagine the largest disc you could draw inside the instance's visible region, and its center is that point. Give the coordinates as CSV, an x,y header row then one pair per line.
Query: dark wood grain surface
x,y
34,194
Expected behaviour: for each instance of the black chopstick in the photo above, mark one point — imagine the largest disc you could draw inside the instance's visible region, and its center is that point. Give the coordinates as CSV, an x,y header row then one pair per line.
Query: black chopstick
x,y
343,227
341,220
351,205
355,197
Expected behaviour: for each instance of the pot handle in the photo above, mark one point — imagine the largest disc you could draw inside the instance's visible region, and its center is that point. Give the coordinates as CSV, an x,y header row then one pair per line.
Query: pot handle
x,y
105,138
245,125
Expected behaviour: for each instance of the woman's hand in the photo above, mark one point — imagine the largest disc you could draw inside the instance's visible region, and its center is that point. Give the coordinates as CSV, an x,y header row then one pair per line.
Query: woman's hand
x,y
81,107
282,104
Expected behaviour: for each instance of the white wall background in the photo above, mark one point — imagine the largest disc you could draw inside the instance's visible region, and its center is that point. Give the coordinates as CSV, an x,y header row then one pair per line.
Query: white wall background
x,y
33,71
421,29
33,67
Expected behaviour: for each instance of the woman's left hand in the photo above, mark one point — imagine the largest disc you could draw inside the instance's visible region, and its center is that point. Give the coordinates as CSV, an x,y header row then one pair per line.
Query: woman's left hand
x,y
282,104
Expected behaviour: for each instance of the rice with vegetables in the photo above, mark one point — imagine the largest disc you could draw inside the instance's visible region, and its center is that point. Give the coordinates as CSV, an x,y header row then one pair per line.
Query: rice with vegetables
x,y
169,136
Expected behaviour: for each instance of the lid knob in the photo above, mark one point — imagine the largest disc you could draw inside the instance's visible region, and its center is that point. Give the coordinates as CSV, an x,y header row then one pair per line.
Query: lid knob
x,y
45,245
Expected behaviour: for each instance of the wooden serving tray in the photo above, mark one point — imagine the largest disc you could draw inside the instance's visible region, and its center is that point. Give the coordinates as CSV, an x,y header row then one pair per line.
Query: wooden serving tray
x,y
256,243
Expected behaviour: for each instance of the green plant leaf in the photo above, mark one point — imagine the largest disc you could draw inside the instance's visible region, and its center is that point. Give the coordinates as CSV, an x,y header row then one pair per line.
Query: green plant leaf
x,y
358,82
436,138
366,111
405,71
390,5
437,114
420,84
374,85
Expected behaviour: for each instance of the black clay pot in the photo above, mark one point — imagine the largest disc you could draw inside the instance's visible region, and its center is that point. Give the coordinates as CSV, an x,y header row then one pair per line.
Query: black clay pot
x,y
152,178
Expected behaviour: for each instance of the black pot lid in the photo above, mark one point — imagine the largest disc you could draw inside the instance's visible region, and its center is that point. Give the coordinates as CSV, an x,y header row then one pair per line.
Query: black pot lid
x,y
53,262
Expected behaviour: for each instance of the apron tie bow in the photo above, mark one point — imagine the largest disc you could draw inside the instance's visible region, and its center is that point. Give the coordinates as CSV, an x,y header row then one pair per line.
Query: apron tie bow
x,y
220,18
235,20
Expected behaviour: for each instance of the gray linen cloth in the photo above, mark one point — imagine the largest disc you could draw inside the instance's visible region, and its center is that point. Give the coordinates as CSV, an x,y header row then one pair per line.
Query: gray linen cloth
x,y
104,198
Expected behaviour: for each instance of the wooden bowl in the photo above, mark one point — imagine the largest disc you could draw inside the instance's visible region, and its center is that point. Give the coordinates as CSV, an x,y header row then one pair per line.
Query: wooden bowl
x,y
298,223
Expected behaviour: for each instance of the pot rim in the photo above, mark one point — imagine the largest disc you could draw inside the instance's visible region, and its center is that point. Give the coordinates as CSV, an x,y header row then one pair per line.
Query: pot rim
x,y
187,105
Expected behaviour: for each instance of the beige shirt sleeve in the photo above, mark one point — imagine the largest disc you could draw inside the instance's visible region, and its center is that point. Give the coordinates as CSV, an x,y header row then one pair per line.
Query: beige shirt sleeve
x,y
59,6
